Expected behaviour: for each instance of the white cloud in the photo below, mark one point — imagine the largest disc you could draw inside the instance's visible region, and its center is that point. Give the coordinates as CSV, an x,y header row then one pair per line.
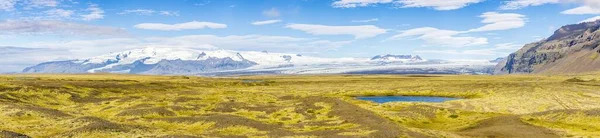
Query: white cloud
x,y
273,12
169,13
41,3
358,3
593,19
148,12
582,10
59,13
500,21
95,13
180,26
519,4
496,50
437,4
366,21
266,22
137,11
438,37
586,6
25,27
359,32
8,5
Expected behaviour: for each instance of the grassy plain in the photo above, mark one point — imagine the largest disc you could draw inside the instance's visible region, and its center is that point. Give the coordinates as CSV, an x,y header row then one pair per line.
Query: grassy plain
x,y
108,105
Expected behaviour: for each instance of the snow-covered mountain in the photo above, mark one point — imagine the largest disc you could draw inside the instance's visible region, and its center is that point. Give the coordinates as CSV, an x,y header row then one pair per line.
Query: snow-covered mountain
x,y
226,62
403,58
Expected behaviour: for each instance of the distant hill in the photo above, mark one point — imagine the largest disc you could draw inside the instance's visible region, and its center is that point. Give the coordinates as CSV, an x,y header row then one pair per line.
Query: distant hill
x,y
571,49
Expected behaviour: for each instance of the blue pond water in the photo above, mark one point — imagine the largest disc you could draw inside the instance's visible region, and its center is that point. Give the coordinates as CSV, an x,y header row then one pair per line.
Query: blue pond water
x,y
385,99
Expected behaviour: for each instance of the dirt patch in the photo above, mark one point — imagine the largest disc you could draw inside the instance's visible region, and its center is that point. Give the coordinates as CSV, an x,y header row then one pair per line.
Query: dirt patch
x,y
267,108
10,134
288,97
228,107
140,106
92,98
9,89
223,121
592,112
185,99
422,76
5,98
507,126
46,111
354,114
99,125
416,111
179,136
162,111
129,99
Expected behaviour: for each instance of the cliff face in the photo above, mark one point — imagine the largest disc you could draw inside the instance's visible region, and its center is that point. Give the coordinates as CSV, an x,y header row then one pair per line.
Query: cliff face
x,y
571,49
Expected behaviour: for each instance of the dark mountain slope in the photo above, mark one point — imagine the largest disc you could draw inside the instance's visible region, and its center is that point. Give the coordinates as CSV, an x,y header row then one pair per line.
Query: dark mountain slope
x,y
572,49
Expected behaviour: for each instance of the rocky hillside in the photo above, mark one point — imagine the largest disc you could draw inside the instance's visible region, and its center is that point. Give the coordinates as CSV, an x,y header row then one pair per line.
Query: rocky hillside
x,y
572,49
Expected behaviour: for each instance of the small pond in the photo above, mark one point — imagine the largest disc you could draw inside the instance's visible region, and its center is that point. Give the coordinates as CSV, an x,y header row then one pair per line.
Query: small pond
x,y
385,99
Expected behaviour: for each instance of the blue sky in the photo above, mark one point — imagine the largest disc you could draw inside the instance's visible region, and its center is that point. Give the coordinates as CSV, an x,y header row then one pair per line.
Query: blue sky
x,y
44,30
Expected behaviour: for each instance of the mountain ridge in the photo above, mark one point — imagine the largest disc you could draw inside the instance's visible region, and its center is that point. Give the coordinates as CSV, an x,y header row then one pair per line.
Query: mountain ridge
x,y
571,49
181,61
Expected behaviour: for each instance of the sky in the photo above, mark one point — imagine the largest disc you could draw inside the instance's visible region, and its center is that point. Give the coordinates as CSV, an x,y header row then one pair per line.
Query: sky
x,y
35,31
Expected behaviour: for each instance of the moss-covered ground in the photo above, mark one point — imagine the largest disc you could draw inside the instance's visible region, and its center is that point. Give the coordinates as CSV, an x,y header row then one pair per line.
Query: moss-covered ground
x,y
109,105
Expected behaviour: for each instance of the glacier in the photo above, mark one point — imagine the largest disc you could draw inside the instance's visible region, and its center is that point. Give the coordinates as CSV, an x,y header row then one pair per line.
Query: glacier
x,y
184,61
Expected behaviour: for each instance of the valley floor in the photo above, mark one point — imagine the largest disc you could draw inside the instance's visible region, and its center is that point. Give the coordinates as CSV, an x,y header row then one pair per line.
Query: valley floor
x,y
106,105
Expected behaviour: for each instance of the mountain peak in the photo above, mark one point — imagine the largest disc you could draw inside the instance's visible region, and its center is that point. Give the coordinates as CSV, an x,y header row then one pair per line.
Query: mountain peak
x,y
574,29
390,57
571,49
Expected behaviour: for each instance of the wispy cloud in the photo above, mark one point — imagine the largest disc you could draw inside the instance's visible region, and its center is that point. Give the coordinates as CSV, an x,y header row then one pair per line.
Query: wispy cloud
x,y
586,6
40,3
438,37
8,5
435,4
148,12
169,13
519,4
180,26
273,12
95,13
62,13
34,27
366,21
441,5
265,22
500,21
137,11
593,19
497,50
582,10
359,32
